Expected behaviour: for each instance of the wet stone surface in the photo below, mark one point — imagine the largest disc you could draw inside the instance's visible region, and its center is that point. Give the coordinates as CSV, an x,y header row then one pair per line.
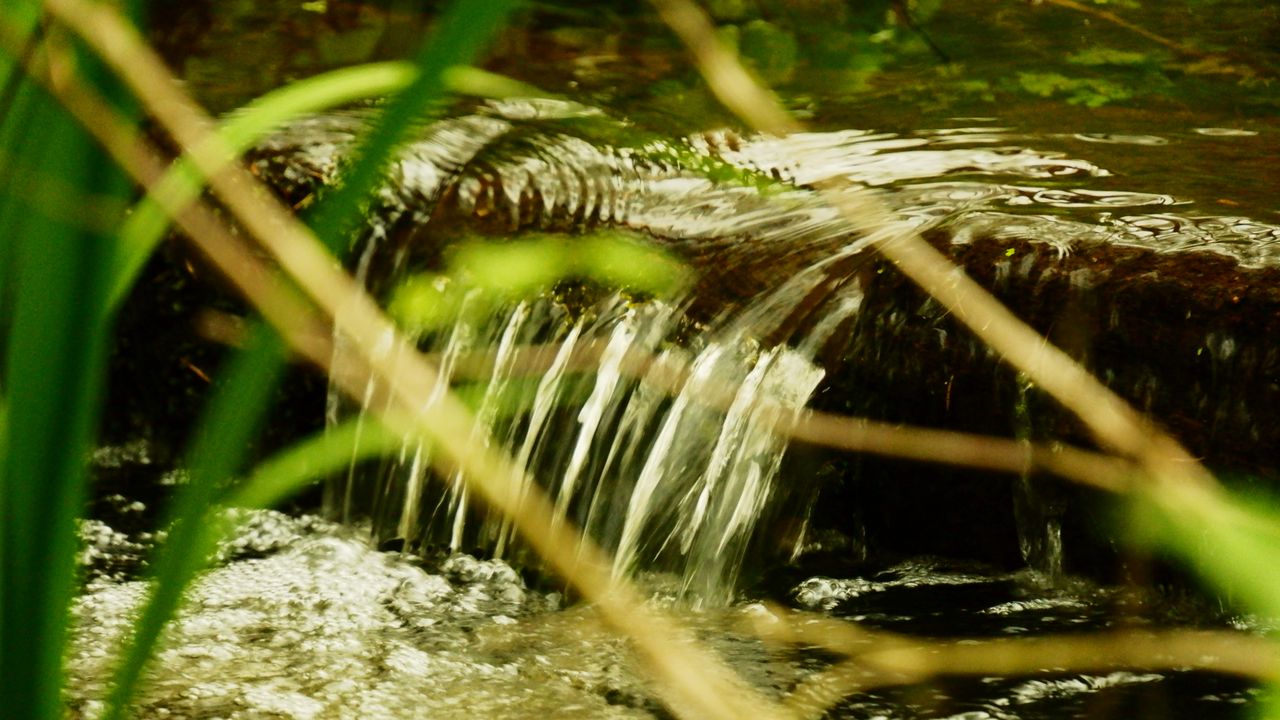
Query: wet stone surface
x,y
301,618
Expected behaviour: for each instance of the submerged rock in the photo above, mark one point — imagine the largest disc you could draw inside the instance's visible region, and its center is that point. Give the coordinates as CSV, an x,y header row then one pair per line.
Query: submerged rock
x,y
1174,310
301,618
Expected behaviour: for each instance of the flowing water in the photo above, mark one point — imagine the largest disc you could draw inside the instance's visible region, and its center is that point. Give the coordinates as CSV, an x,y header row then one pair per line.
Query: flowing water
x,y
302,618
680,478
650,471
651,422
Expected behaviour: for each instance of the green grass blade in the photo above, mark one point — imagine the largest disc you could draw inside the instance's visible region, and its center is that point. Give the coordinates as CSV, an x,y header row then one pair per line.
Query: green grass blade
x,y
462,31
467,80
239,131
1233,543
229,425
311,459
55,354
24,19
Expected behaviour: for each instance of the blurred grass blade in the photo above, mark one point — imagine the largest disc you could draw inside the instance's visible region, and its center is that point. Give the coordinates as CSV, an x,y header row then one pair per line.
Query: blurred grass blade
x,y
462,31
15,111
230,423
53,374
468,80
1232,542
24,18
311,459
239,131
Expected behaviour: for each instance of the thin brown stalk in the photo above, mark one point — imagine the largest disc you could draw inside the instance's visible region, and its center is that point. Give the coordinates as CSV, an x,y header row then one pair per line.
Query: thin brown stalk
x,y
980,452
1111,420
1132,27
878,659
854,434
694,682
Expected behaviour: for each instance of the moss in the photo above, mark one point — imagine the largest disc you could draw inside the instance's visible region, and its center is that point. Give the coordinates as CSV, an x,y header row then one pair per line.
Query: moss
x,y
771,50
732,10
1090,92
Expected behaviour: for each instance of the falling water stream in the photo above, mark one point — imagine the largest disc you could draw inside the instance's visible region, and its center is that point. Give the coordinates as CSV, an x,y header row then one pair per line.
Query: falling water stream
x,y
656,474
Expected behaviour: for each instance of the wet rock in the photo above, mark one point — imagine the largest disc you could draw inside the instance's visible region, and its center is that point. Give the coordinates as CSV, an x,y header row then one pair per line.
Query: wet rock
x,y
1174,311
302,619
1187,337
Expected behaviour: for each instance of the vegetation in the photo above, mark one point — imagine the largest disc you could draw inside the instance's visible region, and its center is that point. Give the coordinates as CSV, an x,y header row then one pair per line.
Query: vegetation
x,y
75,82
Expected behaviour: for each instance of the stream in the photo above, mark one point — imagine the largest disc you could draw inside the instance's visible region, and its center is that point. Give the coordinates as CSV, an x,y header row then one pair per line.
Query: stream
x,y
397,596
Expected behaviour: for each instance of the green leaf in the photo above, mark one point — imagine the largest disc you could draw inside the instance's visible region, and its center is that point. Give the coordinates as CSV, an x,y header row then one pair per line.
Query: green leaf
x,y
425,302
312,459
1231,541
54,344
1108,56
517,269
147,224
467,80
618,259
1043,84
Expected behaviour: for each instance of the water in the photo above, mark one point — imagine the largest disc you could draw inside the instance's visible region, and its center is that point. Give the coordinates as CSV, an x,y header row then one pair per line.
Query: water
x,y
654,476
670,485
303,618
632,455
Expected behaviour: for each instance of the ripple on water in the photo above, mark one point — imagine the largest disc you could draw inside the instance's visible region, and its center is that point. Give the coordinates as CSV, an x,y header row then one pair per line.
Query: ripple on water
x,y
303,619
1121,139
1225,132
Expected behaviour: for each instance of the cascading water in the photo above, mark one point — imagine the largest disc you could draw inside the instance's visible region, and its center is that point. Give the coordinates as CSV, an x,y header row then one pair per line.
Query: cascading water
x,y
649,423
663,452
646,466
649,468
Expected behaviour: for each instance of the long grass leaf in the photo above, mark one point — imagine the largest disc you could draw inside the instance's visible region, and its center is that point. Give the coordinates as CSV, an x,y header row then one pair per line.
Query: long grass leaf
x,y
311,459
226,431
238,132
24,18
462,31
54,360
1231,542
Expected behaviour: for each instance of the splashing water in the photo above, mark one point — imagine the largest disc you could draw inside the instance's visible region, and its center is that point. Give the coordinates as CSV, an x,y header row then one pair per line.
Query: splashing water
x,y
647,465
670,463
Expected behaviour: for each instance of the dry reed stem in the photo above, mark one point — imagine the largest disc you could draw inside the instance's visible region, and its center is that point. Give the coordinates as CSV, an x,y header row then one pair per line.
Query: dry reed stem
x,y
1243,65
840,432
880,659
1131,27
694,682
1110,419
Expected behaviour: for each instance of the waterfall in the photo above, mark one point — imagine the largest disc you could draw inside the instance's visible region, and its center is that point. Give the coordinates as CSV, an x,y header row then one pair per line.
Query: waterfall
x,y
663,449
